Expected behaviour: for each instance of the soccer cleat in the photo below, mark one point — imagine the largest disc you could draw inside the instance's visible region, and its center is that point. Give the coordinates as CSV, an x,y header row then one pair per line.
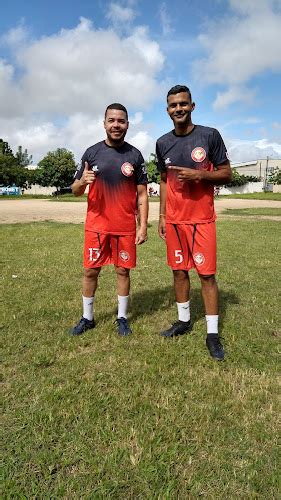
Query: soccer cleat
x,y
178,328
123,327
81,327
215,347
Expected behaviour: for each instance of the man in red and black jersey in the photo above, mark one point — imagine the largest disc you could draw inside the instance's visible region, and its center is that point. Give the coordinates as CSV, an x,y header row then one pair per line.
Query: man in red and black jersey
x,y
192,159
116,175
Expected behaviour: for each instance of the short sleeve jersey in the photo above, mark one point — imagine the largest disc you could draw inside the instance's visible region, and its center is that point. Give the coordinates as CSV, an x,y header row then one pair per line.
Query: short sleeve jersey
x,y
190,202
112,196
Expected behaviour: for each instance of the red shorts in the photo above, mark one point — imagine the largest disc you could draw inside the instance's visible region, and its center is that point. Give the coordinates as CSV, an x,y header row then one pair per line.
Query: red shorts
x,y
103,249
192,245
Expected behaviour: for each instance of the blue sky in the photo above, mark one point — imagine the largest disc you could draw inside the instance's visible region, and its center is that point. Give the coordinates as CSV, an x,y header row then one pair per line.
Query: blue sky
x,y
62,62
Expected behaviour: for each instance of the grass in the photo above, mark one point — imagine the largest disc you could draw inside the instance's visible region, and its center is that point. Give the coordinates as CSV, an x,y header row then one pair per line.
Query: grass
x,y
268,211
140,417
253,196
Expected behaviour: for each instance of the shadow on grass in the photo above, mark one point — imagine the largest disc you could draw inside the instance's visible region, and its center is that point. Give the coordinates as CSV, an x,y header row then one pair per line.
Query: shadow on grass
x,y
150,301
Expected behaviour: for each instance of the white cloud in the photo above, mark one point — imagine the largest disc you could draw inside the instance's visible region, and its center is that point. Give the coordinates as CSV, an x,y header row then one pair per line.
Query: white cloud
x,y
15,36
165,20
81,70
78,132
233,94
241,45
252,150
119,14
56,92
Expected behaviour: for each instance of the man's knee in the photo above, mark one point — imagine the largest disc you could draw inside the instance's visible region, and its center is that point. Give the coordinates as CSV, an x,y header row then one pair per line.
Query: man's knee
x,y
91,273
180,275
208,279
122,271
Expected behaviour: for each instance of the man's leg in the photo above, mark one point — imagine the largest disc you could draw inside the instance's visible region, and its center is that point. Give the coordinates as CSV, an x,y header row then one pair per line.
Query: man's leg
x,y
178,255
210,295
123,291
89,286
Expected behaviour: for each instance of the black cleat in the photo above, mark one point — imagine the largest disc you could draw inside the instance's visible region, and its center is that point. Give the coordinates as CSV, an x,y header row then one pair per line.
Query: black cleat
x,y
123,327
215,347
81,327
178,328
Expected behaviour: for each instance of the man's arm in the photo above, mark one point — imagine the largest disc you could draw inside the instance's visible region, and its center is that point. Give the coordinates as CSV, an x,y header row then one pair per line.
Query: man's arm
x,y
79,185
162,215
222,174
141,235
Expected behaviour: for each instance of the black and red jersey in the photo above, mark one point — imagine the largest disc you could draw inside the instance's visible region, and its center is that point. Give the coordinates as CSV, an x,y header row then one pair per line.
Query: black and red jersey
x,y
112,196
190,202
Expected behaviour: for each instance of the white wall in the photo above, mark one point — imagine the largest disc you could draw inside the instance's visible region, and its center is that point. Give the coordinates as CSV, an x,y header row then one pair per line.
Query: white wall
x,y
36,189
250,187
276,188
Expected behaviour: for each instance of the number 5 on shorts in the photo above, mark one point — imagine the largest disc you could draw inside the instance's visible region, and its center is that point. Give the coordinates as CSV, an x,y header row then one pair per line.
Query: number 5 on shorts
x,y
179,257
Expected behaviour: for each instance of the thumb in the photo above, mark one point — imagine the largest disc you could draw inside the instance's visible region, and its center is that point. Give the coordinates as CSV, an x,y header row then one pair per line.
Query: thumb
x,y
87,168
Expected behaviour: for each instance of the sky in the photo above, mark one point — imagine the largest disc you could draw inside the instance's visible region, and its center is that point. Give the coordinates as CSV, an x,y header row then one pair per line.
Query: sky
x,y
62,62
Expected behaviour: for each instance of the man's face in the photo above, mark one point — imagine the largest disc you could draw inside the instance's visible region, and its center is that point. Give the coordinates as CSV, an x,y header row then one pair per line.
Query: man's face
x,y
180,108
116,125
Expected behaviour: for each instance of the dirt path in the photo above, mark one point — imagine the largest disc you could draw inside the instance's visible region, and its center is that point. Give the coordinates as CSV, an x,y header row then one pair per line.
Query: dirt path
x,y
12,211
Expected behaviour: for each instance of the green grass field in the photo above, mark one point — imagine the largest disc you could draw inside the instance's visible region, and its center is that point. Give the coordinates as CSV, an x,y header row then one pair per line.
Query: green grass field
x,y
106,417
252,196
273,212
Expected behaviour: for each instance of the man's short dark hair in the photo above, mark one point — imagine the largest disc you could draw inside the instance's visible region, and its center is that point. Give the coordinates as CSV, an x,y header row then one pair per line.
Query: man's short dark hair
x,y
117,105
177,89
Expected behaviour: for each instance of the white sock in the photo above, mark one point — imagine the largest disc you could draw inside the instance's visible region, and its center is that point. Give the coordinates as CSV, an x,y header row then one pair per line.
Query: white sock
x,y
123,301
184,311
88,307
212,323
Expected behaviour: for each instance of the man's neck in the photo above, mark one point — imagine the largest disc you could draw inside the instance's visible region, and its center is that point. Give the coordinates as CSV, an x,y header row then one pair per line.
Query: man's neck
x,y
114,144
185,129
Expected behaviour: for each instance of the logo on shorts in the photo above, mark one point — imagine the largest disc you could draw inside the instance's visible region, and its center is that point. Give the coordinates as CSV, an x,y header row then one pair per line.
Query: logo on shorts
x,y
124,255
199,258
198,155
127,169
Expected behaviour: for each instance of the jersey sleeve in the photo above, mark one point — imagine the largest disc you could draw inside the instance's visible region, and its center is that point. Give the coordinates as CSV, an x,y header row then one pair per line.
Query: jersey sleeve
x,y
141,172
79,172
161,167
217,152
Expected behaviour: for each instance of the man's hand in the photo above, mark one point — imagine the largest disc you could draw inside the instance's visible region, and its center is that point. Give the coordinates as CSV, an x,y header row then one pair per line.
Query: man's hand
x,y
141,235
88,175
187,174
162,227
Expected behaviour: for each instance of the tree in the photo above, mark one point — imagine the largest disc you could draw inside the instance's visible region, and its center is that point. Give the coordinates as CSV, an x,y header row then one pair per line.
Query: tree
x,y
5,149
57,169
152,172
23,157
12,172
275,176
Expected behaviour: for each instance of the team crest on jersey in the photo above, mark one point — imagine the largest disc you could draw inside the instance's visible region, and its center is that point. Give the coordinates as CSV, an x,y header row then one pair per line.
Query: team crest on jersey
x,y
124,255
199,258
198,154
127,169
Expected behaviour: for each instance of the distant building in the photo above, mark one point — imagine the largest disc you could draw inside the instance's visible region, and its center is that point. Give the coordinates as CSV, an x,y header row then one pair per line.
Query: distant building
x,y
259,168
